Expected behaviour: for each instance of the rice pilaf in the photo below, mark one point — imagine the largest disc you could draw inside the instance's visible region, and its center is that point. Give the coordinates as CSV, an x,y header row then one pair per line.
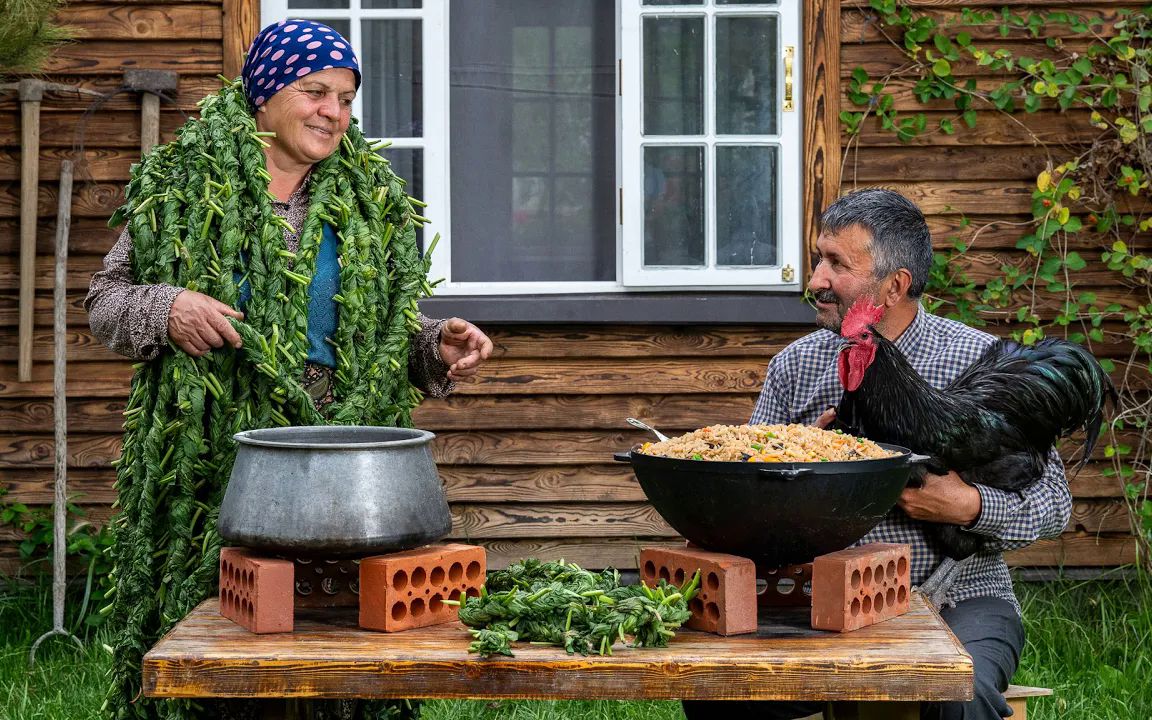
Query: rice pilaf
x,y
767,443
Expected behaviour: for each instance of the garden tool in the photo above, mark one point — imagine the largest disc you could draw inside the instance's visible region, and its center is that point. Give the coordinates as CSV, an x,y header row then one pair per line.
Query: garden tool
x,y
60,412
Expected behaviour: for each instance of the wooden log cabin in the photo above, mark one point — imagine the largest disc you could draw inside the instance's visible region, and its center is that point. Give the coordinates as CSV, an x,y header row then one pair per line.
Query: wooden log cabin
x,y
543,232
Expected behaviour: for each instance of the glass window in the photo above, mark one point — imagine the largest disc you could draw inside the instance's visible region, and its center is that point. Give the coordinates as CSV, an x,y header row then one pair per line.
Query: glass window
x,y
673,75
533,152
393,78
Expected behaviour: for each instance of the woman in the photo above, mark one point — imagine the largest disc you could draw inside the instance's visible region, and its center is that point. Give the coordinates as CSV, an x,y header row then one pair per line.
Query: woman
x,y
269,275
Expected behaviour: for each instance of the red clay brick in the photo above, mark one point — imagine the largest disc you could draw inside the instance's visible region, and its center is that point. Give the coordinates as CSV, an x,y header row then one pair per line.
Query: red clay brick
x,y
860,586
726,601
256,592
406,590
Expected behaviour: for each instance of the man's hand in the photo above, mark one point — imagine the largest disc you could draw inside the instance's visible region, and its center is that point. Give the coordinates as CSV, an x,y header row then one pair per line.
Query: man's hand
x,y
197,323
942,499
463,346
826,418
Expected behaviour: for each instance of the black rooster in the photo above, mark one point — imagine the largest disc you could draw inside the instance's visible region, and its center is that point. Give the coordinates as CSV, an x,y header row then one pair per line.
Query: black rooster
x,y
994,424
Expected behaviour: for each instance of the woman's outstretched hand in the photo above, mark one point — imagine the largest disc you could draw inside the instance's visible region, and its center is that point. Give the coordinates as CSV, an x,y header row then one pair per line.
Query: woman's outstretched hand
x,y
463,347
197,323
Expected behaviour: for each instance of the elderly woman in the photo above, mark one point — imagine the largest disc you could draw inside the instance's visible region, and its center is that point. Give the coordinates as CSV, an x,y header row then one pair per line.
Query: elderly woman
x,y
268,275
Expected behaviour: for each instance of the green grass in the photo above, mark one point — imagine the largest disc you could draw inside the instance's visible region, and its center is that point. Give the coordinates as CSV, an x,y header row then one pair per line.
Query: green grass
x,y
1089,641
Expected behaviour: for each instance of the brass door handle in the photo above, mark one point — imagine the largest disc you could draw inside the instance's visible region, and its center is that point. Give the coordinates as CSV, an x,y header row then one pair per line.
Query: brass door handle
x,y
789,57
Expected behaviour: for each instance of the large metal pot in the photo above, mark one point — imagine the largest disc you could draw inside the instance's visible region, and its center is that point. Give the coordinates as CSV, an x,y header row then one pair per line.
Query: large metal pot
x,y
334,491
773,513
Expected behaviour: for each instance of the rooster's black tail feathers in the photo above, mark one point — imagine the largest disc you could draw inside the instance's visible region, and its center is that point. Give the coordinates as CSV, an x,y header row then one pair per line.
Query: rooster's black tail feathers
x,y
1058,383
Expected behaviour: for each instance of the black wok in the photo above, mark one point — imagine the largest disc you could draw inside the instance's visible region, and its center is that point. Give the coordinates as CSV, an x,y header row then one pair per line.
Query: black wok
x,y
773,513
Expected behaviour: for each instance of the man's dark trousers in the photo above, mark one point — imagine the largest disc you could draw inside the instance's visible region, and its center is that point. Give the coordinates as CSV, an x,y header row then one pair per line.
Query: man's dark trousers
x,y
991,632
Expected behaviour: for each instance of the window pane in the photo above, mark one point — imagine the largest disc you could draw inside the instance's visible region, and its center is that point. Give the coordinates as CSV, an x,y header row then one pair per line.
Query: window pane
x,y
322,4
746,52
673,2
745,2
674,205
393,78
389,4
408,163
746,199
673,76
533,148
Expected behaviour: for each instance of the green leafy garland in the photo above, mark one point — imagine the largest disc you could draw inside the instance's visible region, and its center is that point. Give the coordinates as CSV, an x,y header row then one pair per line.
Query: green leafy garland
x,y
201,217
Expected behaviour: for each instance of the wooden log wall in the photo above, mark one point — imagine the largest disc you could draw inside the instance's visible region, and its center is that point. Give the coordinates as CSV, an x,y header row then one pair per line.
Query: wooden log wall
x,y
525,452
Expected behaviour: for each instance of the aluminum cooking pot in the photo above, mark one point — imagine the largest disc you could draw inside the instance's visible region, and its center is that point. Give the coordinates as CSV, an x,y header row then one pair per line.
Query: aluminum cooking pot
x,y
774,513
335,491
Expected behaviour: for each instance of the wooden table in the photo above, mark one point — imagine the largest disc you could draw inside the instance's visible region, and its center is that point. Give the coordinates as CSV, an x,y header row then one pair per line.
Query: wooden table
x,y
903,661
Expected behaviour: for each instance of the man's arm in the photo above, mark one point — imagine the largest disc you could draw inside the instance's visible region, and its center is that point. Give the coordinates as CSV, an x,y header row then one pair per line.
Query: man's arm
x,y
772,407
1017,519
1008,519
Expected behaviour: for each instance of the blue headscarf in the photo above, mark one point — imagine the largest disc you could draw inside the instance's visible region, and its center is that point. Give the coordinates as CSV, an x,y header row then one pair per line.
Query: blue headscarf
x,y
287,51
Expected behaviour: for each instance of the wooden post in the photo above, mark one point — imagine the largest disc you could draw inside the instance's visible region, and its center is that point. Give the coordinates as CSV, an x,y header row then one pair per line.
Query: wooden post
x,y
31,93
149,122
149,83
241,23
60,391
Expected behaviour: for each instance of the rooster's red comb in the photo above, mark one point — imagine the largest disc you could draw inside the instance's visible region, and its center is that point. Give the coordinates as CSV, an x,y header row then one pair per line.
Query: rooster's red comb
x,y
861,315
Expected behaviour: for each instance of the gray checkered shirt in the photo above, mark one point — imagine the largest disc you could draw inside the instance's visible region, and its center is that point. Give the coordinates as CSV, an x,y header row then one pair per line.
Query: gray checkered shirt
x,y
802,382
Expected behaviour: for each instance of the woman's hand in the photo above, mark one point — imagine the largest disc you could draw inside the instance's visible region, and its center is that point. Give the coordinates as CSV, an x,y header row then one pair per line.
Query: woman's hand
x,y
463,346
197,323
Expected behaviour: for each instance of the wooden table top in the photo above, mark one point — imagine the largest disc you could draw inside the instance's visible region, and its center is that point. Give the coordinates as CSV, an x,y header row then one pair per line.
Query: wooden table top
x,y
908,658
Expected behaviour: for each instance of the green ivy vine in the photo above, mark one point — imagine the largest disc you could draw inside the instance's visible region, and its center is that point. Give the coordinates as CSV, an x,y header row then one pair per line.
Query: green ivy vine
x,y
1091,198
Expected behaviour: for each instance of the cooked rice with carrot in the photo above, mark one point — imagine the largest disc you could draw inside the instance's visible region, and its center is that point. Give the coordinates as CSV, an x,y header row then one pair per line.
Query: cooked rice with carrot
x,y
767,443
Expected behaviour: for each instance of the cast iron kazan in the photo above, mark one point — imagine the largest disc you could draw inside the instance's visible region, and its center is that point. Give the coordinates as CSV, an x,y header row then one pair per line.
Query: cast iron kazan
x,y
335,491
773,513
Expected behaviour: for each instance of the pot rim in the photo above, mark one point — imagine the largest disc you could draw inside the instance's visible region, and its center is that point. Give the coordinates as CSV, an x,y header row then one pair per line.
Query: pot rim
x,y
258,437
905,458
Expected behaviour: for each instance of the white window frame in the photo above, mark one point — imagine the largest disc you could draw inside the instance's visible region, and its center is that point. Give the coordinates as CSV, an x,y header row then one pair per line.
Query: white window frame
x,y
632,143
630,273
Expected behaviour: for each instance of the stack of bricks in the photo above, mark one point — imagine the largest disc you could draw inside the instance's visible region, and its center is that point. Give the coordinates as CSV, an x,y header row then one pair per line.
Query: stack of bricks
x,y
725,603
407,589
396,592
860,586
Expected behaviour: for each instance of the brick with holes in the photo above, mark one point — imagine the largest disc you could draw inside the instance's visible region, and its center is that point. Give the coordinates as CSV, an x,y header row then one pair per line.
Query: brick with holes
x,y
406,590
860,586
726,601
256,592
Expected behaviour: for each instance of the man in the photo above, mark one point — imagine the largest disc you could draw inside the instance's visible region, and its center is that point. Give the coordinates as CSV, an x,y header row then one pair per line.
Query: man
x,y
875,243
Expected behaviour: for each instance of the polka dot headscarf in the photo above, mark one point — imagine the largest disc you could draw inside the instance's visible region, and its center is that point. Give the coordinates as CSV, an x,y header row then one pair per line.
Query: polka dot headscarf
x,y
287,51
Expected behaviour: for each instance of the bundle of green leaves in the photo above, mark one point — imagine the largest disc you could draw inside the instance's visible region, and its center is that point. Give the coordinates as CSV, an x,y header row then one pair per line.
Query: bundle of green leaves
x,y
558,603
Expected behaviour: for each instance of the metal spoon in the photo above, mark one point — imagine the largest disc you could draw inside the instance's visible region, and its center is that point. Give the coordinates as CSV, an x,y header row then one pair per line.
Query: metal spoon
x,y
645,426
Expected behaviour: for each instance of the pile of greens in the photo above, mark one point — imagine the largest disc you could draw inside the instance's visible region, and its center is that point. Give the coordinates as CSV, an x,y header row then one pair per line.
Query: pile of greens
x,y
558,603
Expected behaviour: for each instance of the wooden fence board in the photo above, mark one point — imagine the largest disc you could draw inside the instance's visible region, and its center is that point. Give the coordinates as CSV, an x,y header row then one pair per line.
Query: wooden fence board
x,y
109,56
860,25
190,89
112,129
992,128
191,21
86,236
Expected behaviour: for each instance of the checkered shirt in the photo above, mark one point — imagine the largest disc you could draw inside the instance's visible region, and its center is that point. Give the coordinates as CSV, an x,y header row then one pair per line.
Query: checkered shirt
x,y
802,382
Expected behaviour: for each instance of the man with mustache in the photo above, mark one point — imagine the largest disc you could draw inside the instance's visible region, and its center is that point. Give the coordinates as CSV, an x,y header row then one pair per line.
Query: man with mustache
x,y
875,243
